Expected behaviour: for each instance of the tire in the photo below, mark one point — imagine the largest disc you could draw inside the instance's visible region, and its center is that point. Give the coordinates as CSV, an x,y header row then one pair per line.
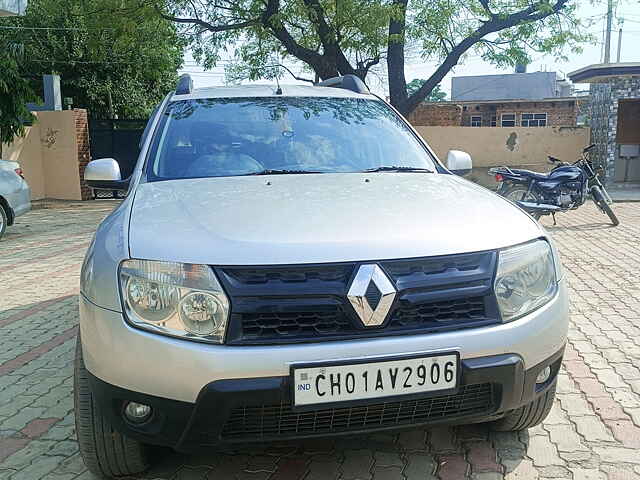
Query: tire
x,y
518,193
528,415
106,452
598,198
4,218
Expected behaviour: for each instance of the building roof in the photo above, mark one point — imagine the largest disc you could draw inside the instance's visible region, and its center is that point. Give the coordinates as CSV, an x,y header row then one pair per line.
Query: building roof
x,y
269,90
603,72
514,100
509,86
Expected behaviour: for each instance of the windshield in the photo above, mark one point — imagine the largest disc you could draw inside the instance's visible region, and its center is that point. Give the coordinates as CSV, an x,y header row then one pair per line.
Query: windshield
x,y
249,136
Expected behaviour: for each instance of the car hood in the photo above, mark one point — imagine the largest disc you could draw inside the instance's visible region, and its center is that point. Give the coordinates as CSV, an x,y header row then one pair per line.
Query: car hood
x,y
315,218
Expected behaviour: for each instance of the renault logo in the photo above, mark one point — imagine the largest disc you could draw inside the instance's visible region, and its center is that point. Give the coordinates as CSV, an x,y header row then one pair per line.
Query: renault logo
x,y
371,294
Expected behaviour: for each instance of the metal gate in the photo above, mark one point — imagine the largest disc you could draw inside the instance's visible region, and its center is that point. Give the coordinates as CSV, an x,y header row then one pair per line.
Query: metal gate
x,y
117,139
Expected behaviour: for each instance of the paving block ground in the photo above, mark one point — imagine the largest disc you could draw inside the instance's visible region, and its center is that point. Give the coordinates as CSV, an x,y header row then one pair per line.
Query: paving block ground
x,y
593,431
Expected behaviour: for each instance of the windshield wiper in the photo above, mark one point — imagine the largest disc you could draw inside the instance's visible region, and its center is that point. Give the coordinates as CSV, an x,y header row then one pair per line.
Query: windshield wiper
x,y
271,171
394,168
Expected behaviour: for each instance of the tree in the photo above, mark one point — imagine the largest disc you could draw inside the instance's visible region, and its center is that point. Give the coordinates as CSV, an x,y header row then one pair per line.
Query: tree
x,y
14,93
436,95
111,63
334,37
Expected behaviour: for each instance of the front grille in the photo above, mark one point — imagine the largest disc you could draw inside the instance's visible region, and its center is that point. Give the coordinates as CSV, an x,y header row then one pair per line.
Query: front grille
x,y
286,304
256,422
432,314
426,317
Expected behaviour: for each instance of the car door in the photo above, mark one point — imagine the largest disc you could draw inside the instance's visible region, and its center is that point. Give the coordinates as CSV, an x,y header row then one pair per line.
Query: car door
x,y
13,188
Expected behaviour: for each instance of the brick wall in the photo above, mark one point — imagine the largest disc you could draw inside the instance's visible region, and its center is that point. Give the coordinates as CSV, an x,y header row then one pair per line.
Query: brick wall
x,y
82,142
436,115
560,113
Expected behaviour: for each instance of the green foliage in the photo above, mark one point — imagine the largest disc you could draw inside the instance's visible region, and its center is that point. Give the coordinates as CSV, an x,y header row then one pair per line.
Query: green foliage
x,y
332,37
111,58
357,27
436,95
14,93
439,25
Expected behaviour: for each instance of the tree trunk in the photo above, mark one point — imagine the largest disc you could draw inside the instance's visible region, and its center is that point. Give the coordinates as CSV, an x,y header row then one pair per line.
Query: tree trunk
x,y
395,56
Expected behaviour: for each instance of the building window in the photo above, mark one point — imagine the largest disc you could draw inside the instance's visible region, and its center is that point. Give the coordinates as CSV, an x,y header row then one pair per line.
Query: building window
x,y
494,120
508,120
534,120
476,120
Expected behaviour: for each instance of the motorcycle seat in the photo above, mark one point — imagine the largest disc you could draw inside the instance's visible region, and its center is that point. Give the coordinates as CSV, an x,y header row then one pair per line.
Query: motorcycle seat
x,y
531,174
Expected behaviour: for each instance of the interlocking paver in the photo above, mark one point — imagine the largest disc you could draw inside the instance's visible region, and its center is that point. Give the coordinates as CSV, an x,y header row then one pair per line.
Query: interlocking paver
x,y
593,431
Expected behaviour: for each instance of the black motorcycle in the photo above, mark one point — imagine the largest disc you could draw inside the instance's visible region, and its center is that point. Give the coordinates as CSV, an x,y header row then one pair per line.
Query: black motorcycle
x,y
565,187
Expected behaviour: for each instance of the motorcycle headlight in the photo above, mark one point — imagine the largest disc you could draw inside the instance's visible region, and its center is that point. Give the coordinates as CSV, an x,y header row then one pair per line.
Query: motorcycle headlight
x,y
525,280
177,299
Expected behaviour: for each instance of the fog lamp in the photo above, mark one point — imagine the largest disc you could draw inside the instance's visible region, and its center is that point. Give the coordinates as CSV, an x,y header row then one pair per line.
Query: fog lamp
x,y
137,412
544,375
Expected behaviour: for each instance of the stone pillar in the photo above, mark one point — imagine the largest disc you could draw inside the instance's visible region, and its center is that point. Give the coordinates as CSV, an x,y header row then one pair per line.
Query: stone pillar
x,y
82,145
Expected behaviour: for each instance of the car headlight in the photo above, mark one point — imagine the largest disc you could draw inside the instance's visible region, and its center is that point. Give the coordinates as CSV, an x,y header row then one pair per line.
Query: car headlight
x,y
525,280
178,299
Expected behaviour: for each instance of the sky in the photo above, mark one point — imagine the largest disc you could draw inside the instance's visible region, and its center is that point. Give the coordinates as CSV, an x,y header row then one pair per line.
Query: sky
x,y
627,12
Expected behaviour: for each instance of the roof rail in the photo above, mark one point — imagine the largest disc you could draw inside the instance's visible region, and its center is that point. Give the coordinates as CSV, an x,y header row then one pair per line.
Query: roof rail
x,y
185,85
348,82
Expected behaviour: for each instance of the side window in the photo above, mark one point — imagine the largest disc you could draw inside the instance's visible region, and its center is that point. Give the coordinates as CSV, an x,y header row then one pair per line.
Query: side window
x,y
534,120
508,120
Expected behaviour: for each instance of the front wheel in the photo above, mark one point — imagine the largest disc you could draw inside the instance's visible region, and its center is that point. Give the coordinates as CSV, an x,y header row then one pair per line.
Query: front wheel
x,y
599,200
106,452
528,415
3,220
520,193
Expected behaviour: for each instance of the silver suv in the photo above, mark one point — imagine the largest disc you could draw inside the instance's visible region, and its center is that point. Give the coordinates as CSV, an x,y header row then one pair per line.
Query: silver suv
x,y
296,262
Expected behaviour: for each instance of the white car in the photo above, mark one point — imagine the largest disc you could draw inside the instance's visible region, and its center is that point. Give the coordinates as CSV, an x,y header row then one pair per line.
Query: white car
x,y
15,195
296,262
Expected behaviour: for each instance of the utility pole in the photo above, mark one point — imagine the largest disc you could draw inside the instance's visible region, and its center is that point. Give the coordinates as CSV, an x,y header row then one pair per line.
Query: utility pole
x,y
619,44
607,38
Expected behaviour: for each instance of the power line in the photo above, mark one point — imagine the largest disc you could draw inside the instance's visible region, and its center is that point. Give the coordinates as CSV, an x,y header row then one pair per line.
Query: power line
x,y
11,27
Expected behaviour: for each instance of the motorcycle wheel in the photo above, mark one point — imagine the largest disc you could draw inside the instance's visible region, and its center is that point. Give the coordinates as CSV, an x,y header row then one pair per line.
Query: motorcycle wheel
x,y
602,204
518,193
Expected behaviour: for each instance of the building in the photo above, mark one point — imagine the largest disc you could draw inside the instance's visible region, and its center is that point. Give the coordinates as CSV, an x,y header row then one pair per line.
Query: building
x,y
543,112
12,7
537,99
614,111
511,86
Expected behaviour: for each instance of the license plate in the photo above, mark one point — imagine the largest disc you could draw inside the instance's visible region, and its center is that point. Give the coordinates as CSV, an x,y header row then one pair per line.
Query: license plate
x,y
369,380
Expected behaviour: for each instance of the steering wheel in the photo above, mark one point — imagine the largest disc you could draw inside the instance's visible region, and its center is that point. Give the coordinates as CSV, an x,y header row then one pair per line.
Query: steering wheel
x,y
224,163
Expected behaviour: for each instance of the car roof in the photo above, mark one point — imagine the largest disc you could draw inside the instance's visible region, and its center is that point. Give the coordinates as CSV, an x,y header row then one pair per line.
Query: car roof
x,y
269,90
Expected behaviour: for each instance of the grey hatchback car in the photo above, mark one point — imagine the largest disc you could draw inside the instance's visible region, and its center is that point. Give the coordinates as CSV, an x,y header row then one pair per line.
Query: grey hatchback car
x,y
296,262
15,194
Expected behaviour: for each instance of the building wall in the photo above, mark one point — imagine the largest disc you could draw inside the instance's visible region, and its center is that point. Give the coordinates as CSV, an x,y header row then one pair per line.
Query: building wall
x,y
559,113
436,114
604,119
505,87
12,7
52,153
520,147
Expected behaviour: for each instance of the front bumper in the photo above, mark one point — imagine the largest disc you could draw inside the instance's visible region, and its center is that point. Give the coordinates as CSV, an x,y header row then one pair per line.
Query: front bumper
x,y
179,369
259,409
205,394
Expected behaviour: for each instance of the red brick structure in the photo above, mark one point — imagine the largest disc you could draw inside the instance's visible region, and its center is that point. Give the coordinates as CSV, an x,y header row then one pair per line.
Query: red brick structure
x,y
553,112
437,115
82,143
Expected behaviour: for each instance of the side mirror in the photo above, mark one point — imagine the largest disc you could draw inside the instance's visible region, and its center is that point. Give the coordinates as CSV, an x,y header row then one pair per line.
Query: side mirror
x,y
104,174
459,162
